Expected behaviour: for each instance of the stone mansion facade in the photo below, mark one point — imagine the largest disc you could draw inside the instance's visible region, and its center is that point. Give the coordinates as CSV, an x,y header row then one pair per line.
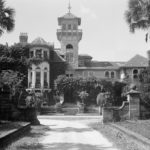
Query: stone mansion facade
x,y
40,75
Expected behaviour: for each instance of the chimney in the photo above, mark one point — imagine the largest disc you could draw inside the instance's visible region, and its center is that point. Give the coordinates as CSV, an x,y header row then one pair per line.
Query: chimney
x,y
23,38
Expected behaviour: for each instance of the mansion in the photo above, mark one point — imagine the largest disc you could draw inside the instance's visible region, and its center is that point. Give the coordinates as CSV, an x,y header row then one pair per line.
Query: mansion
x,y
41,75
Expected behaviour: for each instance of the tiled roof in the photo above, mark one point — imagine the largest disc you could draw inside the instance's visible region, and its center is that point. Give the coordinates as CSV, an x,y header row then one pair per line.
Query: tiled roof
x,y
83,56
57,57
137,61
39,41
69,16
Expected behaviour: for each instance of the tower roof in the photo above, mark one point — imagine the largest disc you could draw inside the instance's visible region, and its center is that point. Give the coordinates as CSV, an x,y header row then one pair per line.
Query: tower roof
x,y
69,16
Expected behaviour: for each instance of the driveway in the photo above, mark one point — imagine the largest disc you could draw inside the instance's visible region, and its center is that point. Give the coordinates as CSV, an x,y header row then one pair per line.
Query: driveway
x,y
72,134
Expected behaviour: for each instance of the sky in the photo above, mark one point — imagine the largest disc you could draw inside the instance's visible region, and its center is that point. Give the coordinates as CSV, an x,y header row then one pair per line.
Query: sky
x,y
106,35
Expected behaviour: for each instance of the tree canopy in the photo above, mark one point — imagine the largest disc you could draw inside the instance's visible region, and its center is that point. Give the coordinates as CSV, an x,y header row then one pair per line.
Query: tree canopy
x,y
138,14
7,21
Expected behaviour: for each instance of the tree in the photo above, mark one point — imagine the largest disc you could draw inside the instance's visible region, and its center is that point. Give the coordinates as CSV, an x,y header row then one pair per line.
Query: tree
x,y
138,14
7,21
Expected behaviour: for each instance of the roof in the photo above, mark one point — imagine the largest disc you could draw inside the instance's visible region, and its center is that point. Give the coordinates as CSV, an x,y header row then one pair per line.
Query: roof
x,y
85,56
137,61
39,41
69,16
57,57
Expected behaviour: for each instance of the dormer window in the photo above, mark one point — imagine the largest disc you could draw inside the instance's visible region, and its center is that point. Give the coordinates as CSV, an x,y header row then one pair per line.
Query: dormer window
x,y
45,54
38,53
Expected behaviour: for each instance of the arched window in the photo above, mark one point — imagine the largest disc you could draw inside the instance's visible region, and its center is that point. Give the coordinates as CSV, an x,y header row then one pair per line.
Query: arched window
x,y
107,74
135,73
69,46
38,68
112,74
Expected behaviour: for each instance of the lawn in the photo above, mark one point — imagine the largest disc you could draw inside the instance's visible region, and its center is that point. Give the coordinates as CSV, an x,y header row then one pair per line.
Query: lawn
x,y
120,140
30,140
140,126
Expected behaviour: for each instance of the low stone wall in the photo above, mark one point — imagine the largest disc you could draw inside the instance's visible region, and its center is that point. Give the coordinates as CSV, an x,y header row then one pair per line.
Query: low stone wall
x,y
111,114
130,109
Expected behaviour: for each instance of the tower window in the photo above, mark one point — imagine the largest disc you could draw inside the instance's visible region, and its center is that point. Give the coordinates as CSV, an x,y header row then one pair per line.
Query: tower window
x,y
69,46
69,57
74,27
69,26
64,27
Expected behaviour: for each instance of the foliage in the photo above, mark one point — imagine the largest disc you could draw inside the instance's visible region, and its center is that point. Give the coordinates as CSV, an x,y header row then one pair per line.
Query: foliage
x,y
144,88
83,95
138,14
7,21
14,68
92,86
11,79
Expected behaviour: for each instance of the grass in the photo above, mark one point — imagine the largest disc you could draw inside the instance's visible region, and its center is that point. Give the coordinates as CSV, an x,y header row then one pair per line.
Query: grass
x,y
120,140
29,141
140,126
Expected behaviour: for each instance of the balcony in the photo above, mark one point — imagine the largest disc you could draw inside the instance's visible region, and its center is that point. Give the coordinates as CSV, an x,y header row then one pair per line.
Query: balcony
x,y
68,33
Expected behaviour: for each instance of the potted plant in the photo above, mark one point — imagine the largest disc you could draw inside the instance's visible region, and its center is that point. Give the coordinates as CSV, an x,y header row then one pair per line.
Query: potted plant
x,y
83,95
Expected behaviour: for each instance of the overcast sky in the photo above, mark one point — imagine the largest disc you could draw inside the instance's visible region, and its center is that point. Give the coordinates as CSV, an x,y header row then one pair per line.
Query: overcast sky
x,y
106,35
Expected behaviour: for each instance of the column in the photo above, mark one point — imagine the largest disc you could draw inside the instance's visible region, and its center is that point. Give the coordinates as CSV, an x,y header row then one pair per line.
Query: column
x,y
134,104
48,78
28,78
33,78
42,79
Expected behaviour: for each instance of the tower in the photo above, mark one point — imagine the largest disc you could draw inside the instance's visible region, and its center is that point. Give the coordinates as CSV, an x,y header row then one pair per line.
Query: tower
x,y
23,38
69,36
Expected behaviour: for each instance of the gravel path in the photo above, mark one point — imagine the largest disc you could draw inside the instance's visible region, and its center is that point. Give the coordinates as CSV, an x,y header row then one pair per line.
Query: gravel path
x,y
72,135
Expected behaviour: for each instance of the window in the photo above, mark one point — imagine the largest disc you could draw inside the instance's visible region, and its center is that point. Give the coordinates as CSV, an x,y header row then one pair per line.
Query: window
x,y
107,74
135,73
69,75
45,80
112,74
38,80
69,46
74,27
90,73
38,53
69,57
69,26
45,54
64,27
31,54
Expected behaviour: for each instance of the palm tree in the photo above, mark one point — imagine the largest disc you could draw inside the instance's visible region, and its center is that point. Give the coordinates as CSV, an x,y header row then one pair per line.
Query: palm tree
x,y
138,14
6,18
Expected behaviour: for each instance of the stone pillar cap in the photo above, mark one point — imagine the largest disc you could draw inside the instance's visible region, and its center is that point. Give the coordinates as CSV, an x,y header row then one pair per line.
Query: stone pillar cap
x,y
133,92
